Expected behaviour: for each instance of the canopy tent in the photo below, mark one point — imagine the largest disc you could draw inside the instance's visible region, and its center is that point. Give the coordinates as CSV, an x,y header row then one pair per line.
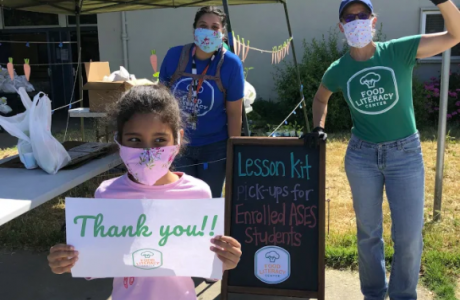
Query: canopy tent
x,y
84,7
79,7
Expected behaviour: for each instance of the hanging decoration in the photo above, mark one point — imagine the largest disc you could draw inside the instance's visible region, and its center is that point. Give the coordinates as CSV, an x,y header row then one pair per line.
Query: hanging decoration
x,y
27,69
278,53
154,61
10,68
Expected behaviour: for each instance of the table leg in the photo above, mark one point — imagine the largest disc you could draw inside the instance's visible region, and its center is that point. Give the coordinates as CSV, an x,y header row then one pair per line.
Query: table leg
x,y
96,129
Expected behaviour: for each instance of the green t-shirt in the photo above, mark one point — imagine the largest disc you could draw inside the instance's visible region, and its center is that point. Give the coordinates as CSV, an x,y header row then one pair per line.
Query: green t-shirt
x,y
378,91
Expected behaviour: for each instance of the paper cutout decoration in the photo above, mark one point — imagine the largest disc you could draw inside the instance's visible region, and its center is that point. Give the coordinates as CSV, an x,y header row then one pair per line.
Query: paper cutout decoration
x,y
10,68
27,69
154,61
241,47
278,53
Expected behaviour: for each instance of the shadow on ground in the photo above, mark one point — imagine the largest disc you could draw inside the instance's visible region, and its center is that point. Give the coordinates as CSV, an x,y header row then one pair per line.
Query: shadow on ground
x,y
26,276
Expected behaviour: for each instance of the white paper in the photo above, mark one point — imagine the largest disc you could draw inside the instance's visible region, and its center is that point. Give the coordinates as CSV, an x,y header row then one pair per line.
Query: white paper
x,y
148,254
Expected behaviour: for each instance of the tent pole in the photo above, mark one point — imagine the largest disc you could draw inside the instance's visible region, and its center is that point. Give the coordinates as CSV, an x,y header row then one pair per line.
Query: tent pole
x,y
441,134
304,108
230,39
80,66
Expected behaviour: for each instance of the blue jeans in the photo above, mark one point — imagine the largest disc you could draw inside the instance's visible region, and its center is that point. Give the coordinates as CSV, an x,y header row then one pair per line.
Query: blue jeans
x,y
397,166
207,163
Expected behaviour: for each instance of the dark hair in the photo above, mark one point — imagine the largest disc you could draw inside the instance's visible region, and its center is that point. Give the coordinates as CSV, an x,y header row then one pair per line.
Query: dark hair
x,y
156,99
211,10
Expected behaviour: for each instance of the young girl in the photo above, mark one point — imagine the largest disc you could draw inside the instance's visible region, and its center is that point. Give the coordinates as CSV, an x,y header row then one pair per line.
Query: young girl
x,y
148,122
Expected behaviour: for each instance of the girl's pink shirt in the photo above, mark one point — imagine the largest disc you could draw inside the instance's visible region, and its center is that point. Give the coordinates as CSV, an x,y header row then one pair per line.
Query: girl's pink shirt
x,y
154,288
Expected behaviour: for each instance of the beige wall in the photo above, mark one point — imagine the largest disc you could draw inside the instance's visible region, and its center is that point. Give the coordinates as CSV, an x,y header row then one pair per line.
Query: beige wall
x,y
264,25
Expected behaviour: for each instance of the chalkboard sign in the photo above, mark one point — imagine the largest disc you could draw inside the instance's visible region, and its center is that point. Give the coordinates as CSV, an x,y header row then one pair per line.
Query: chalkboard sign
x,y
275,195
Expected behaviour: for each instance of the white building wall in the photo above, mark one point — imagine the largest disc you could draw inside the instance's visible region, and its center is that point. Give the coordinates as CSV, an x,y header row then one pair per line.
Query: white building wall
x,y
264,25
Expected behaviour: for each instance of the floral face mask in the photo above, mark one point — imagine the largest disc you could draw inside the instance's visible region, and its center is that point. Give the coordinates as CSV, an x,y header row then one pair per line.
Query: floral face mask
x,y
208,40
148,165
359,33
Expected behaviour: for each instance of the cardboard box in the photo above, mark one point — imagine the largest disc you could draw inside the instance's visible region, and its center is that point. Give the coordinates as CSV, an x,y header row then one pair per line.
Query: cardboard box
x,y
102,93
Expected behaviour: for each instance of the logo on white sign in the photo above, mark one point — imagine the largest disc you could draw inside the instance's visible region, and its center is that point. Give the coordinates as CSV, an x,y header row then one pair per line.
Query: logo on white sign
x,y
272,264
147,259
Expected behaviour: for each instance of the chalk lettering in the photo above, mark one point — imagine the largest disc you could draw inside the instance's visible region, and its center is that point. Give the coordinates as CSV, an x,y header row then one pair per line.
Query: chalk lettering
x,y
261,192
262,168
298,169
291,238
301,215
267,215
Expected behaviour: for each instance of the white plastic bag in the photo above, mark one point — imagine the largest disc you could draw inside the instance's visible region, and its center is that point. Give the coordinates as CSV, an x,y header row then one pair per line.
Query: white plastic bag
x,y
8,86
18,126
121,75
4,107
26,154
36,145
249,94
49,153
21,81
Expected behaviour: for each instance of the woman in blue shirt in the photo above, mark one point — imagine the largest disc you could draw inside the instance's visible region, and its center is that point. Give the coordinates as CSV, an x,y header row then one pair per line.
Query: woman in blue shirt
x,y
209,82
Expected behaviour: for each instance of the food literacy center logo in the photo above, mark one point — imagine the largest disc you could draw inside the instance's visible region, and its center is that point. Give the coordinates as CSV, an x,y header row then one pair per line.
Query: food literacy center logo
x,y
373,91
147,259
272,264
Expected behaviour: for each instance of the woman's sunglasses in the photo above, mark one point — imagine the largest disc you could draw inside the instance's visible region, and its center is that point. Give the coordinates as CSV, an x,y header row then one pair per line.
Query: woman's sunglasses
x,y
352,17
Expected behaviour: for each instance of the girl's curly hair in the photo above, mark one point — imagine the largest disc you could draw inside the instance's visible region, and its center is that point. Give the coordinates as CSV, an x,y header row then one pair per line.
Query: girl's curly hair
x,y
155,99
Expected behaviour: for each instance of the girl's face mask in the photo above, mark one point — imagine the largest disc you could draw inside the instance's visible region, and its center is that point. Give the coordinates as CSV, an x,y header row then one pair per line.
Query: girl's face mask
x,y
359,33
148,165
208,40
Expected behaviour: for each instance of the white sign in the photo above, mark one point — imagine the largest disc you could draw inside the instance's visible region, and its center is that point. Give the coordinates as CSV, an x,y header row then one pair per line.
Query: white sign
x,y
144,238
272,264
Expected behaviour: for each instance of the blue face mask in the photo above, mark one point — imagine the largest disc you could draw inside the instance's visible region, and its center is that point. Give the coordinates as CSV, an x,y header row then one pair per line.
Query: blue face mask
x,y
208,40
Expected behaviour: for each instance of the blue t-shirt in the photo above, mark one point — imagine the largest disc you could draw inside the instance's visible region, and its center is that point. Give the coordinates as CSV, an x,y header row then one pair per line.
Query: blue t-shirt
x,y
211,126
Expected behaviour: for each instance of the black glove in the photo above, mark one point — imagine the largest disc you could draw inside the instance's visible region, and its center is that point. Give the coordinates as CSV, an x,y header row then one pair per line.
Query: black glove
x,y
321,134
312,139
437,2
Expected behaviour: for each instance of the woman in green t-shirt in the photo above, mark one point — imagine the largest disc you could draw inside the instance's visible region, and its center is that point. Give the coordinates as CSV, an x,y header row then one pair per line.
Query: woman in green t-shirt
x,y
384,151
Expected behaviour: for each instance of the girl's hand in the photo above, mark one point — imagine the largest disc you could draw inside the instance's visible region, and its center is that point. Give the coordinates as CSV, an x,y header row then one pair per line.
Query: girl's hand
x,y
228,250
62,258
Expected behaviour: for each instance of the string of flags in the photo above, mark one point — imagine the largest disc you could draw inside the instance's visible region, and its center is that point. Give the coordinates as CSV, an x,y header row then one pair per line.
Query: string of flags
x,y
278,53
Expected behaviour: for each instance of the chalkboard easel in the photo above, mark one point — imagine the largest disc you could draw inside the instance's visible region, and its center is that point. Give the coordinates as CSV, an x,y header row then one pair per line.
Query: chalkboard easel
x,y
275,207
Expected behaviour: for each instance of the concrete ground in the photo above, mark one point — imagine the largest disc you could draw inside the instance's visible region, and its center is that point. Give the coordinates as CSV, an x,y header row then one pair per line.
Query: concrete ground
x,y
26,276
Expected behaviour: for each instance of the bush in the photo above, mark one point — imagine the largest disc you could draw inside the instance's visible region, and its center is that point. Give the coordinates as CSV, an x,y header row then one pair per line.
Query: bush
x,y
419,94
317,57
432,96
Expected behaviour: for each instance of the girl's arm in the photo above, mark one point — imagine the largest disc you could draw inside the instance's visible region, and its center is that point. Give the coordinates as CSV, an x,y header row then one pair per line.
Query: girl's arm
x,y
234,117
433,44
320,106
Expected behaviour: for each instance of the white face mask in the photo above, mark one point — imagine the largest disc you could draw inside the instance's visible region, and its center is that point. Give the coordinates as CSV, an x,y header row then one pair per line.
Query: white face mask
x,y
359,33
